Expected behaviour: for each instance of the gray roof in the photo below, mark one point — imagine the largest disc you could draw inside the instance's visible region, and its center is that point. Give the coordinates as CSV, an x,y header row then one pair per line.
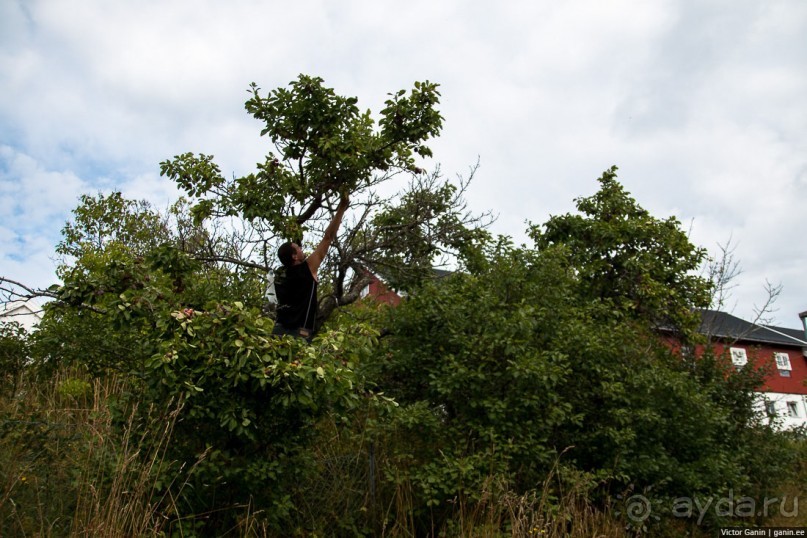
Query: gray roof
x,y
798,334
725,326
441,273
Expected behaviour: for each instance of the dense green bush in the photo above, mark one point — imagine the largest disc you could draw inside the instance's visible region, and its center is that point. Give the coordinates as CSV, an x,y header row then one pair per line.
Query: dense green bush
x,y
559,353
251,404
507,372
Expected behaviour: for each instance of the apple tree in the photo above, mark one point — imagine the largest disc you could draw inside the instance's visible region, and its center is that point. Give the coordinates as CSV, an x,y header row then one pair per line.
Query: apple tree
x,y
322,144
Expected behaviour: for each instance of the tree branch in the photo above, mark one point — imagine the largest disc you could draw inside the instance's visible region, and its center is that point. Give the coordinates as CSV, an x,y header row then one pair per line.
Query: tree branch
x,y
11,291
234,261
316,203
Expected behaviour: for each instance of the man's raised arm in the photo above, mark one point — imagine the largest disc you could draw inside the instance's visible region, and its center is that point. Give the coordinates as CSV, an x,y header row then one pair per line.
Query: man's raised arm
x,y
316,257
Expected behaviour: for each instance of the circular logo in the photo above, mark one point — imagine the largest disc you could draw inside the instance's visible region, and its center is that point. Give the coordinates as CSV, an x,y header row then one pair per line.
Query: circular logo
x,y
637,508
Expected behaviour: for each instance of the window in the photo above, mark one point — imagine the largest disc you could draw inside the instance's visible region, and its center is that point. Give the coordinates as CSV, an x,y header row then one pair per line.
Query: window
x,y
793,409
783,364
770,408
738,356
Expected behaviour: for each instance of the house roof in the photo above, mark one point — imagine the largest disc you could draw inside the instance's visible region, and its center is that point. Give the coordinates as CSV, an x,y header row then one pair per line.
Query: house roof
x,y
437,274
798,334
16,308
722,325
27,313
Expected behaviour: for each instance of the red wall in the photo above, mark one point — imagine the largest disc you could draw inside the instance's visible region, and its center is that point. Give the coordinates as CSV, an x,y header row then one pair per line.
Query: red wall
x,y
762,356
775,382
381,293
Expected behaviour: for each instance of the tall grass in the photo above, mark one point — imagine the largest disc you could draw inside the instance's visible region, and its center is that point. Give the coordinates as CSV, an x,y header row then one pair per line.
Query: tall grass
x,y
356,490
500,512
66,469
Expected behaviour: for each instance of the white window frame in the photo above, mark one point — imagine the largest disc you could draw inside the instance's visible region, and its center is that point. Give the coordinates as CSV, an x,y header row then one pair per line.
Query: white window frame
x,y
793,409
739,357
782,361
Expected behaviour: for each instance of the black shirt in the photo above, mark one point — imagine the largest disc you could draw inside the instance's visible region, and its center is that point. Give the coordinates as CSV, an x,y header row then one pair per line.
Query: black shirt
x,y
296,292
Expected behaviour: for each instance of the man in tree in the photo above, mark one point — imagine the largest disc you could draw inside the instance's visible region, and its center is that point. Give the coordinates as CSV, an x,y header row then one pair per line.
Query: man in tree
x,y
296,281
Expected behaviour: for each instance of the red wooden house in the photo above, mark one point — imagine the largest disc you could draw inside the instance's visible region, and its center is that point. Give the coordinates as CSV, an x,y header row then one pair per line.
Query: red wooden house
x,y
780,350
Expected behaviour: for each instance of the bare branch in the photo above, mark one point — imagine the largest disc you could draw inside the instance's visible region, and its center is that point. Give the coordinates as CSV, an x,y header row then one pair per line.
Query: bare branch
x,y
722,273
12,290
762,314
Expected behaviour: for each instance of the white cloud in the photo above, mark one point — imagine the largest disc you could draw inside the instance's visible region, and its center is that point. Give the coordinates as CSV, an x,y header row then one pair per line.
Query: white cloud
x,y
33,194
36,202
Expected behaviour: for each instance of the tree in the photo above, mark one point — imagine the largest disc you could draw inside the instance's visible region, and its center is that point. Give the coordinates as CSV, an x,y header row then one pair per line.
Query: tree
x,y
722,272
514,371
151,295
103,220
243,406
551,356
324,145
123,266
642,266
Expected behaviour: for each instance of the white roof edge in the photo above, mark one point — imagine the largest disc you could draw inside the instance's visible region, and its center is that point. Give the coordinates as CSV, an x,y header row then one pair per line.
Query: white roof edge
x,y
11,308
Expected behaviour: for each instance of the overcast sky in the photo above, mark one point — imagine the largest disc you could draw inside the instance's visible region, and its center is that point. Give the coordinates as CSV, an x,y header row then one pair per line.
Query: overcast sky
x,y
701,104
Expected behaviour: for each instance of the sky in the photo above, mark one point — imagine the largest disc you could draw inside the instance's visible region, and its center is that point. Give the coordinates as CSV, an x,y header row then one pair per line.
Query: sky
x,y
701,104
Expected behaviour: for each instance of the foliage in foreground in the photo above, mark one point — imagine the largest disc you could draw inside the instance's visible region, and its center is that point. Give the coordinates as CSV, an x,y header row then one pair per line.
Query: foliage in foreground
x,y
70,467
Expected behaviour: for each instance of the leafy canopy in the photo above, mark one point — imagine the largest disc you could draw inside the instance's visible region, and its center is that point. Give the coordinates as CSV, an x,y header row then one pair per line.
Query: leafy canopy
x,y
323,145
642,266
